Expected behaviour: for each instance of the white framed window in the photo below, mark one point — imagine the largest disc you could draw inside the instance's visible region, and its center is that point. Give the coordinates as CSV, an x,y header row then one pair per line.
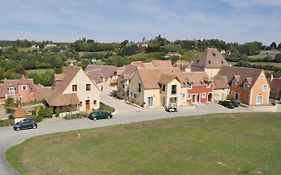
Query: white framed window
x,y
204,95
264,87
24,87
189,86
188,96
209,85
183,95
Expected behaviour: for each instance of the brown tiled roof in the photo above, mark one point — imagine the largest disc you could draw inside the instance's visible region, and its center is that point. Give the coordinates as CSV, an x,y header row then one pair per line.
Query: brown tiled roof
x,y
56,98
42,93
98,72
197,78
14,83
240,74
64,100
275,84
211,58
220,82
162,63
166,78
150,77
20,113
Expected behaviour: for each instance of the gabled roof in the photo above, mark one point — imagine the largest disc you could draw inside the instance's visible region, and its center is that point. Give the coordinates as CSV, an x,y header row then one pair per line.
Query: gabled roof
x,y
197,78
20,113
151,77
162,63
240,74
57,98
211,58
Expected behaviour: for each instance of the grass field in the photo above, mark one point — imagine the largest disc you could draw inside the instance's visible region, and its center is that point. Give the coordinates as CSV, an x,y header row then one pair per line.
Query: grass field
x,y
213,144
38,71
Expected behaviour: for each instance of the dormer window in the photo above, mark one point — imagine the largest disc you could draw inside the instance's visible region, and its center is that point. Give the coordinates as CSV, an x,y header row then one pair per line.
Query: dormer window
x,y
11,90
209,62
234,83
208,85
189,86
222,62
214,54
246,85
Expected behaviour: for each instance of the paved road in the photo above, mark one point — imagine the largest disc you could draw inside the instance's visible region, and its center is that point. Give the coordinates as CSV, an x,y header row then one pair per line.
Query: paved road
x,y
8,137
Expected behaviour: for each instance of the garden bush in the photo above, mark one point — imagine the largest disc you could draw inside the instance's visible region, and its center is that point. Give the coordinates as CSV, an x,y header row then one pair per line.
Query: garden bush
x,y
6,122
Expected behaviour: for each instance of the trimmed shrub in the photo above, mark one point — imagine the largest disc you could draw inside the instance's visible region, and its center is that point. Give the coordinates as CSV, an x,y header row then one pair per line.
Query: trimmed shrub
x,y
36,118
6,122
71,117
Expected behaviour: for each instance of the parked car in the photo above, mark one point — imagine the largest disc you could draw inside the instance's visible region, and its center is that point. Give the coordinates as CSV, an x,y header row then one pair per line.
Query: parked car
x,y
171,109
227,104
236,103
27,123
100,115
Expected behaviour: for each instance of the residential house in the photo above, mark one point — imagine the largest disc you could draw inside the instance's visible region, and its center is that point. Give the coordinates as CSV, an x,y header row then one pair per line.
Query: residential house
x,y
124,78
221,88
123,82
74,91
104,76
22,90
248,85
157,86
275,88
199,87
210,62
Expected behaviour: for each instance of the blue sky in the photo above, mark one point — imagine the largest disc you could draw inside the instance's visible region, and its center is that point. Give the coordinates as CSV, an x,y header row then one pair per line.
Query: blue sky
x,y
117,20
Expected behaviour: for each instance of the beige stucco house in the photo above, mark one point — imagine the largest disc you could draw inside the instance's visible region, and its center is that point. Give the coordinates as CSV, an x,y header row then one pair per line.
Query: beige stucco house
x,y
124,79
74,92
158,86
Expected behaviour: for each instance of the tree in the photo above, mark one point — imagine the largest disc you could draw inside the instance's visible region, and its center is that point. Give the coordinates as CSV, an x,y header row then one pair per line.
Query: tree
x,y
9,103
279,46
277,58
273,45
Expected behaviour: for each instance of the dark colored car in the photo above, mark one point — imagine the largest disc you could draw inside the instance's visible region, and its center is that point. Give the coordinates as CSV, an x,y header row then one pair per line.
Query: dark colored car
x,y
171,109
236,103
27,123
227,104
100,115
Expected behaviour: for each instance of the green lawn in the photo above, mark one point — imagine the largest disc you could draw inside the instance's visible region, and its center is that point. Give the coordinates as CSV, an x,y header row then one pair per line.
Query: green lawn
x,y
212,144
106,108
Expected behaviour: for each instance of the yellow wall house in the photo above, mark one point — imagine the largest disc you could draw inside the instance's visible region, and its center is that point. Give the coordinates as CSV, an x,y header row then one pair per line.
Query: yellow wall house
x,y
158,86
248,85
